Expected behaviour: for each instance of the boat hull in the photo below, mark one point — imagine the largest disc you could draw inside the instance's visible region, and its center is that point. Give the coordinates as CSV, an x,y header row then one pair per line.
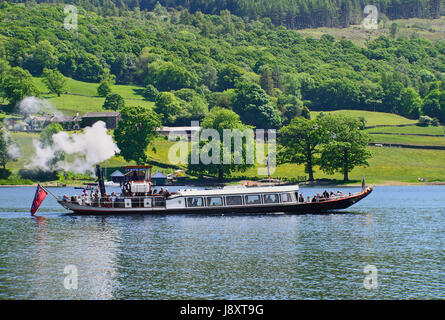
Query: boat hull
x,y
287,208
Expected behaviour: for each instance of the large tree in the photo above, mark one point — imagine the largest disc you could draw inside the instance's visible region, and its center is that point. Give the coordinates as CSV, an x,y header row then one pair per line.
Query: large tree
x,y
345,145
135,131
168,107
301,143
17,84
239,148
254,107
54,81
113,101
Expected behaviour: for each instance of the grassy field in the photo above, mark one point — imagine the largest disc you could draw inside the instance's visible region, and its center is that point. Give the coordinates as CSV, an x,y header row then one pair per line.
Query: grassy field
x,y
432,29
82,96
439,131
372,118
409,140
388,165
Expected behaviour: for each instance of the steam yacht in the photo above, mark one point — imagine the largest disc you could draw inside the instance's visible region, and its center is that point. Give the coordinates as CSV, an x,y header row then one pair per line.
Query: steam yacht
x,y
137,196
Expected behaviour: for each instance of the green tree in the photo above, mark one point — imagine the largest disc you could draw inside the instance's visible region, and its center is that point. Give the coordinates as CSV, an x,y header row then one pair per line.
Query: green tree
x,y
104,89
168,107
45,56
301,143
17,84
135,132
252,104
345,145
114,101
394,29
54,81
241,159
150,93
173,77
266,81
434,105
229,76
410,103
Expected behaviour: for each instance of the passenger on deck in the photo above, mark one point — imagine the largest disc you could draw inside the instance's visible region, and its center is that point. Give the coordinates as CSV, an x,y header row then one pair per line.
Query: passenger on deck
x,y
314,199
301,198
326,194
66,198
155,191
85,193
308,199
167,193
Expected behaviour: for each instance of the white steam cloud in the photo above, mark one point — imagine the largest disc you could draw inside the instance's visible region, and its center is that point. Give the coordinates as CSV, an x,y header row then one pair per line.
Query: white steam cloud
x,y
32,105
13,150
87,149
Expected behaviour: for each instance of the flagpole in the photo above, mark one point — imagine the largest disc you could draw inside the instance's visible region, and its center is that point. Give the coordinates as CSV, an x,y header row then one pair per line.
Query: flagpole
x,y
49,192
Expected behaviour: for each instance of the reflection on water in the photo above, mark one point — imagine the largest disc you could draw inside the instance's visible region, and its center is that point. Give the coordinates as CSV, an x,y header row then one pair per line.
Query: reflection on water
x,y
226,257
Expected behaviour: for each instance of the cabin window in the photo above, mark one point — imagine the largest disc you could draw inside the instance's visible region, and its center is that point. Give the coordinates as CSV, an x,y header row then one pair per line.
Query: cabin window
x,y
234,200
159,202
253,199
286,197
271,198
195,202
214,201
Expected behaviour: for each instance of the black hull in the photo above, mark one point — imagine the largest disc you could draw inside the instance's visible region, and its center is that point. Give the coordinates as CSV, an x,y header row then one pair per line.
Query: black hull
x,y
304,208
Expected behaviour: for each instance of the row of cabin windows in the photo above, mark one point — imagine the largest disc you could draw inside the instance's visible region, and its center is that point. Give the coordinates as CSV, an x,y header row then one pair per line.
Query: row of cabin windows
x,y
238,200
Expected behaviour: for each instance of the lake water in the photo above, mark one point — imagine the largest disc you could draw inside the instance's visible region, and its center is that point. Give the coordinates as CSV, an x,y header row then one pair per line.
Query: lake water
x,y
397,232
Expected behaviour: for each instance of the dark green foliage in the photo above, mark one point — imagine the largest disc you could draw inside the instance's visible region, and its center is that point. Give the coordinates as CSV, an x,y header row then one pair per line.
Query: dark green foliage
x,y
104,89
16,84
150,93
114,101
135,131
213,53
221,119
54,81
345,145
254,107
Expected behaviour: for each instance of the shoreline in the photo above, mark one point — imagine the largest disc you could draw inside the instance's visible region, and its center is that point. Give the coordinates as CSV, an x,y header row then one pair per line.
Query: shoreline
x,y
241,183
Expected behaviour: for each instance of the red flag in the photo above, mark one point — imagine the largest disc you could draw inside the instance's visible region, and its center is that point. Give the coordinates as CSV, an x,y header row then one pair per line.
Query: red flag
x,y
38,199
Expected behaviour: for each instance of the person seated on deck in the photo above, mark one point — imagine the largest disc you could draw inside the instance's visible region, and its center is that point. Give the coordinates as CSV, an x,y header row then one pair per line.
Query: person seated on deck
x,y
268,199
308,199
332,195
326,194
113,196
66,198
314,199
167,193
301,198
339,193
155,191
161,192
85,193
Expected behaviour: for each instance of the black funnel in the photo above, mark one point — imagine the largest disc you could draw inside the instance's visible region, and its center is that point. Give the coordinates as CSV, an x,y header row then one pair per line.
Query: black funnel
x,y
100,181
